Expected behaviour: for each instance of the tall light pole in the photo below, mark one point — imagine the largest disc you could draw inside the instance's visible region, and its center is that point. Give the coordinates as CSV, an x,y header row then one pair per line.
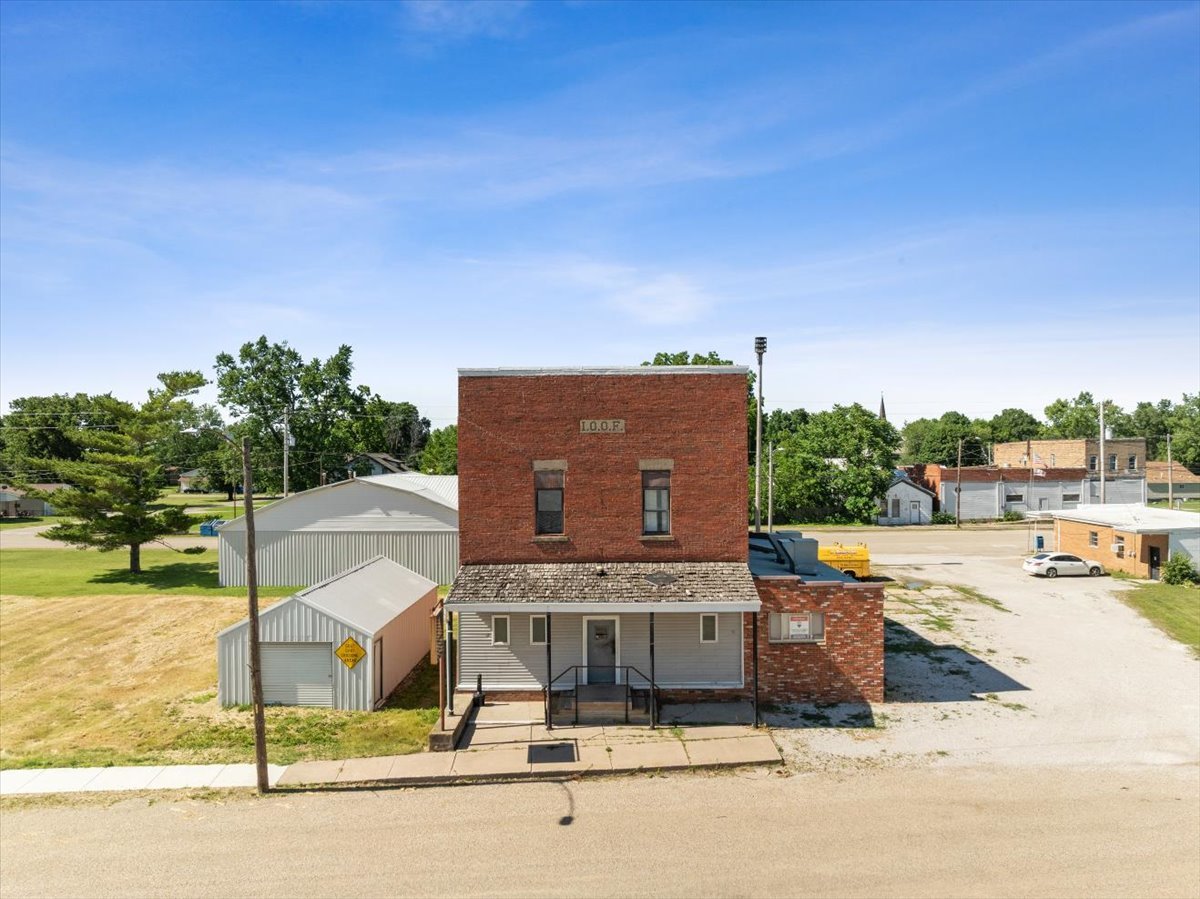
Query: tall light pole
x,y
256,693
760,347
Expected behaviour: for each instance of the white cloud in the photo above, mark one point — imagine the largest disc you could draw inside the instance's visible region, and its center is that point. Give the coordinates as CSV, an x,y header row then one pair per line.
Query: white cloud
x,y
461,19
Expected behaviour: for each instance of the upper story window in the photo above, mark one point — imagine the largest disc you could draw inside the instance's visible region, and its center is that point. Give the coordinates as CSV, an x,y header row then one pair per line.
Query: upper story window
x,y
548,501
1092,460
656,502
1133,463
1112,462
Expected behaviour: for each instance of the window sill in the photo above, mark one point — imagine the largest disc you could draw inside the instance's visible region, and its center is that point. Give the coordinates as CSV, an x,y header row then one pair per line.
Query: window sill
x,y
657,538
552,538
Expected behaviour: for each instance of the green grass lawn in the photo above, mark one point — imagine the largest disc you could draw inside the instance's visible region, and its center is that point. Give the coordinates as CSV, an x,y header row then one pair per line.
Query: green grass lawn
x,y
135,682
1175,610
88,572
8,523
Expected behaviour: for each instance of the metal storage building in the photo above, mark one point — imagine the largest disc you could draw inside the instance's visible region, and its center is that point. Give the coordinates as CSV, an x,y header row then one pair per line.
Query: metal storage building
x,y
410,518
345,643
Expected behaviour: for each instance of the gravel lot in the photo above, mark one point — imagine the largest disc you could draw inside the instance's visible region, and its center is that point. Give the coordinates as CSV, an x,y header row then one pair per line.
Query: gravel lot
x,y
1037,672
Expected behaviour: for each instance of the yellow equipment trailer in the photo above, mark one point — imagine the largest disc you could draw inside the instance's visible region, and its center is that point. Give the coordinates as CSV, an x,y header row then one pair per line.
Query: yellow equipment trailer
x,y
854,561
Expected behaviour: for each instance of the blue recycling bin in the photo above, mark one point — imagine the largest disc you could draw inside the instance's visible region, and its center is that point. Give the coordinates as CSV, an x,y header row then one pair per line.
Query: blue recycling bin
x,y
1040,542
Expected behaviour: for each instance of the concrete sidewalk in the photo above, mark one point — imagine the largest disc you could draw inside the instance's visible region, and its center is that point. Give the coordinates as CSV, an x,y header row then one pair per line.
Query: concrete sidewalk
x,y
495,748
516,751
29,781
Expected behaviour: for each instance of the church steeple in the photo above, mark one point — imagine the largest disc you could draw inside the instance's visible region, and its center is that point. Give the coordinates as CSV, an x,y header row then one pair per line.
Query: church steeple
x,y
882,410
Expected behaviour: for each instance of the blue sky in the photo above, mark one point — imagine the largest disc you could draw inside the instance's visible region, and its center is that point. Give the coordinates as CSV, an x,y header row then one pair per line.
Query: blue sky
x,y
964,206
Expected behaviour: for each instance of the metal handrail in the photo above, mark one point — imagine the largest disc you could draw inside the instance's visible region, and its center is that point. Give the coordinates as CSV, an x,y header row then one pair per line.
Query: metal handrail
x,y
575,669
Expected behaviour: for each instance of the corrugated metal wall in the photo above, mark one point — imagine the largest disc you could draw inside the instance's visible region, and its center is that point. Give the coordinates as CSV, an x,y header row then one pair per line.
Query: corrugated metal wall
x,y
978,499
294,622
299,558
1120,491
681,660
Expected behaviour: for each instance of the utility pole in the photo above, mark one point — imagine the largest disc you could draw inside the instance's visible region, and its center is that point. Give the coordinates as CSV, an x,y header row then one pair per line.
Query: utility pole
x,y
958,489
1102,460
770,487
1170,476
760,347
256,692
287,440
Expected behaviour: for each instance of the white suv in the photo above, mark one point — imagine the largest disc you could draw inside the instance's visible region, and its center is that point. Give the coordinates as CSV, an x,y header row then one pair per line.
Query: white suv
x,y
1054,564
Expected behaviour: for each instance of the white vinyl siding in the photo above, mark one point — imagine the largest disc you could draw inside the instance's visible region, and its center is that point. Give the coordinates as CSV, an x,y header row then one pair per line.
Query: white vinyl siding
x,y
681,660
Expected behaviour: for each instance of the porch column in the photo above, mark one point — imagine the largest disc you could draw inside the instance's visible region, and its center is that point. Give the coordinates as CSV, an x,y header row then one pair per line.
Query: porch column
x,y
653,698
451,673
754,631
549,680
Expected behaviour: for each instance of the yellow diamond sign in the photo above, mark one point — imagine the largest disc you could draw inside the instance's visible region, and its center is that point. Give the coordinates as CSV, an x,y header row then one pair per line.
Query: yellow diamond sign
x,y
350,652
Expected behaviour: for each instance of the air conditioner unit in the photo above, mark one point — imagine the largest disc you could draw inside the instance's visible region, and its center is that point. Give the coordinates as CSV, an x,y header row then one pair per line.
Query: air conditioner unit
x,y
1118,548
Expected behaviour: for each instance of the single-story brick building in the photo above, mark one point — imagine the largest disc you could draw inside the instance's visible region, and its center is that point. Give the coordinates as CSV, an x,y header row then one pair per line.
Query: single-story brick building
x,y
1136,539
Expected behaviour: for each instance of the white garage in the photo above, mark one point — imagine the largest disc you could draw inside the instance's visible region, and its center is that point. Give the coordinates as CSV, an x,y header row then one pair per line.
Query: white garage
x,y
345,643
410,518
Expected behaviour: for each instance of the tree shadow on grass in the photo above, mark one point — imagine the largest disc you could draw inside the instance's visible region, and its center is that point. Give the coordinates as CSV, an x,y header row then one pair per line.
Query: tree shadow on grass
x,y
918,670
173,575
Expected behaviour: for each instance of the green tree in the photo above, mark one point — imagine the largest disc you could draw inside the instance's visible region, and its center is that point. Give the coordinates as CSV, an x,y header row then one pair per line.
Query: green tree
x,y
45,427
936,440
394,428
1080,417
835,466
1184,425
441,452
1152,421
1011,425
267,380
117,480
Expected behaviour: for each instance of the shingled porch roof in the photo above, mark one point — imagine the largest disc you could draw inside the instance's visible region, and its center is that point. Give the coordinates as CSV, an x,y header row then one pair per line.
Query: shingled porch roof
x,y
605,587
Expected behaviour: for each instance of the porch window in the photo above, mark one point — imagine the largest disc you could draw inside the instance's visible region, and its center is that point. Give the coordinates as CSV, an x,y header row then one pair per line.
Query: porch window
x,y
708,628
499,630
548,490
1093,538
537,630
656,502
796,627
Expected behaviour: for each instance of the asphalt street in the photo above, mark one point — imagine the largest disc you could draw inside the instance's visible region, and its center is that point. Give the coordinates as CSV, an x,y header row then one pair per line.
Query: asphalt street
x,y
889,832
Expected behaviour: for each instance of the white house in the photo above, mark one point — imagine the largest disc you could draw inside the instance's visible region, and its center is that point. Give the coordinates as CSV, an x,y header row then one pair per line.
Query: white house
x,y
410,518
905,502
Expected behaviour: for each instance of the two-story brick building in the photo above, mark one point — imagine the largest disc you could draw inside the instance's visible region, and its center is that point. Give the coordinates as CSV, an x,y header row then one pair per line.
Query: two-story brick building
x,y
604,549
1122,455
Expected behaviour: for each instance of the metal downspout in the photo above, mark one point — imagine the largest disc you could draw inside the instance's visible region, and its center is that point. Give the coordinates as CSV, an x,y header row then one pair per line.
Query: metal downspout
x,y
754,630
653,689
549,681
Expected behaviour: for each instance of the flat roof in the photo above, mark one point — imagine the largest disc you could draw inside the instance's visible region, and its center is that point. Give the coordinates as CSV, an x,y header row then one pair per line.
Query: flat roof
x,y
1134,518
604,370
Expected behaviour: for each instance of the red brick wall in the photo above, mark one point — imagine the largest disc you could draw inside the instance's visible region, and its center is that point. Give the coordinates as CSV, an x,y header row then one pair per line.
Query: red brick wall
x,y
847,667
507,422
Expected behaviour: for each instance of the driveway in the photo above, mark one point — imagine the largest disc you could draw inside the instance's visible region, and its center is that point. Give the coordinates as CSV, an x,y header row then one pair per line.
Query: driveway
x,y
31,538
1023,672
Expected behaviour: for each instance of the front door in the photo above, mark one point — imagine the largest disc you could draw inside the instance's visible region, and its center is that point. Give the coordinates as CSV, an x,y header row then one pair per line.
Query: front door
x,y
601,635
1155,562
914,511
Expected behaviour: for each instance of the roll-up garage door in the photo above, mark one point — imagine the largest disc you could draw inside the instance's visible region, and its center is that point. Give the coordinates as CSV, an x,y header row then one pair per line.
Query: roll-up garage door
x,y
297,674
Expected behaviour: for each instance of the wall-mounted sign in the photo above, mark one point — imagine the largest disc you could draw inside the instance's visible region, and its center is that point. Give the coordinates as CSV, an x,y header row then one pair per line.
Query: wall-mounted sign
x,y
798,626
350,652
601,426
